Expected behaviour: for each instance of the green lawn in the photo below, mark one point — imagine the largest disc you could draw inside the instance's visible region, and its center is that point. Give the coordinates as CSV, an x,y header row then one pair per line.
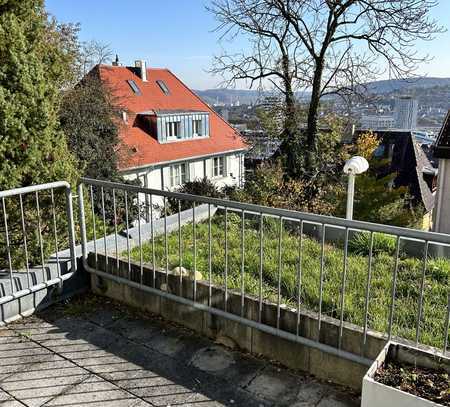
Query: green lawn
x,y
408,283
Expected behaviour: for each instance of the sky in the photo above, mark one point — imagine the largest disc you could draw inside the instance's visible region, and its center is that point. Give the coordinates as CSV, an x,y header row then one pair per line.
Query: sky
x,y
179,35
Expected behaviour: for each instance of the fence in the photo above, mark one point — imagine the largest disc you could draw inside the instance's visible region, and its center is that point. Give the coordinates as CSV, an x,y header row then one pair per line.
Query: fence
x,y
36,221
365,279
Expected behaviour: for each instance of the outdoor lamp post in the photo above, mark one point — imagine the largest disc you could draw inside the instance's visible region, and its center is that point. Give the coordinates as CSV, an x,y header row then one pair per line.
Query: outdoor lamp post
x,y
354,166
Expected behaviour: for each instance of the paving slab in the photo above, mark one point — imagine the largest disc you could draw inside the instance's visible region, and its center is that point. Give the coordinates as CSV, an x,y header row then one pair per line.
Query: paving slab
x,y
94,352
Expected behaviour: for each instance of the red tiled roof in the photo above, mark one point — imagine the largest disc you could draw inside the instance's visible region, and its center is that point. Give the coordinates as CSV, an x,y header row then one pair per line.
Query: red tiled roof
x,y
143,148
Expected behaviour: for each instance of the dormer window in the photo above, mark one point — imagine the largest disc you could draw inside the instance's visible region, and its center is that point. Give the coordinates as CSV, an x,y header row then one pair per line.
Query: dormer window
x,y
173,130
176,125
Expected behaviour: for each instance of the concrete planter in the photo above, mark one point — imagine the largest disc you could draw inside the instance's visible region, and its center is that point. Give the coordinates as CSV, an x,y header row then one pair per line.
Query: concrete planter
x,y
376,394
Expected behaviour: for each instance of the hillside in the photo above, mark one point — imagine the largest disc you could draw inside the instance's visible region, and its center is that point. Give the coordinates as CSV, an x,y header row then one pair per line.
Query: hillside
x,y
417,86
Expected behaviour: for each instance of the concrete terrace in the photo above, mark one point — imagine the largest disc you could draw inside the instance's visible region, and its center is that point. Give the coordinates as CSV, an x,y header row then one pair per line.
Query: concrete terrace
x,y
95,352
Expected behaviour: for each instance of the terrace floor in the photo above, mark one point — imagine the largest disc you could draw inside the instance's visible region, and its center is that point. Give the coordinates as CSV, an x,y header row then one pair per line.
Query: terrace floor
x,y
95,352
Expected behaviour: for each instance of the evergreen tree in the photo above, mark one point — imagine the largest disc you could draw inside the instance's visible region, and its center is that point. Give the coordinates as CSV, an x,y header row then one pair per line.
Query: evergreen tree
x,y
33,150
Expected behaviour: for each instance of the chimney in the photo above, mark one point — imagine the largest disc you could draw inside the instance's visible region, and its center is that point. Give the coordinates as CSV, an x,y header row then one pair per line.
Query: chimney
x,y
116,61
142,69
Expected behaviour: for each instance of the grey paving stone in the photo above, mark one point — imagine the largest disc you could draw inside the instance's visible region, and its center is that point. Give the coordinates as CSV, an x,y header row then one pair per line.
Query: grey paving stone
x,y
235,367
113,358
139,330
275,385
336,401
7,401
94,391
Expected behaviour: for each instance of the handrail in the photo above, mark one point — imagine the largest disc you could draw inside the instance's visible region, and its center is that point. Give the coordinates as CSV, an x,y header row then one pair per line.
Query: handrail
x,y
431,237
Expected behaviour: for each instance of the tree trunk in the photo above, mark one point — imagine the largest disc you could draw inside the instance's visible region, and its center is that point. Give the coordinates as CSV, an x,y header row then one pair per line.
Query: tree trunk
x,y
313,111
290,123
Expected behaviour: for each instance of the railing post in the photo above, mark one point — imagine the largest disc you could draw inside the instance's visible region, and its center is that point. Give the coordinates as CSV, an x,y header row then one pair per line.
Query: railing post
x,y
70,225
82,221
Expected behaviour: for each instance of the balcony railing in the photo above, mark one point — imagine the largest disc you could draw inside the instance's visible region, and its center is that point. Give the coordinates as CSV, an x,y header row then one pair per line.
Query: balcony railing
x,y
300,261
230,256
35,222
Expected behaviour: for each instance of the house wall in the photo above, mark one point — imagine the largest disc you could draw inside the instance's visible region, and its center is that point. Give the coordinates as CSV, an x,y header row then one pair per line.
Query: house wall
x,y
441,222
158,176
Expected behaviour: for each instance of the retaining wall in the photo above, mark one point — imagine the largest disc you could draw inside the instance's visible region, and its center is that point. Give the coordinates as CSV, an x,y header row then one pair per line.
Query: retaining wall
x,y
291,354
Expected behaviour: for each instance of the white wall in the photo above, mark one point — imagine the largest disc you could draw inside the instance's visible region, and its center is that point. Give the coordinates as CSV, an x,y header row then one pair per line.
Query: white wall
x,y
441,211
234,173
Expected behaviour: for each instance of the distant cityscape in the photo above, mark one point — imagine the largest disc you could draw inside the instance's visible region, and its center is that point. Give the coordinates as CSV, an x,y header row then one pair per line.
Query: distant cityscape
x,y
418,105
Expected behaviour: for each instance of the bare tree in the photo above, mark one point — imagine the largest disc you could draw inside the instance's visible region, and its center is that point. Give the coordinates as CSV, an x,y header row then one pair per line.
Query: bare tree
x,y
329,46
274,57
92,53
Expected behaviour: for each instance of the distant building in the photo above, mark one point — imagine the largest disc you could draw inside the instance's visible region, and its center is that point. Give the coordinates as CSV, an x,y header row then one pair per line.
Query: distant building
x,y
262,147
411,161
377,122
405,113
224,112
442,153
168,135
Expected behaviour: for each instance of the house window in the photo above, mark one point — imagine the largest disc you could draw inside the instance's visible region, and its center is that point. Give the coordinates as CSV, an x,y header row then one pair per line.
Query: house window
x,y
219,166
178,174
173,130
197,127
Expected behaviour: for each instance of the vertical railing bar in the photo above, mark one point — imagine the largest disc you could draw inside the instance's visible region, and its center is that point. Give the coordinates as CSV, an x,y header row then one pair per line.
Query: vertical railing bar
x,y
322,266
41,242
82,220
24,232
70,228
166,243
55,231
226,259
367,298
116,241
194,241
209,257
394,288
242,263
422,287
8,247
261,265
127,225
180,248
280,238
447,322
104,224
343,283
152,227
299,277
91,191
141,258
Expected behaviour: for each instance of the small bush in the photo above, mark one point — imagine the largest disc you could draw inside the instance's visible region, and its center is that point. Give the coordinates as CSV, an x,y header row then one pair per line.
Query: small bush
x,y
202,187
382,243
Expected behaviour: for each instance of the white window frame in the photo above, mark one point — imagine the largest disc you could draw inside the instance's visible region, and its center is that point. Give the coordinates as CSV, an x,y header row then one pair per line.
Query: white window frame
x,y
179,174
219,167
173,130
197,127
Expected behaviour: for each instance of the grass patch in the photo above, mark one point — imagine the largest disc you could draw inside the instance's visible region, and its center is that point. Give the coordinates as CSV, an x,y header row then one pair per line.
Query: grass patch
x,y
383,264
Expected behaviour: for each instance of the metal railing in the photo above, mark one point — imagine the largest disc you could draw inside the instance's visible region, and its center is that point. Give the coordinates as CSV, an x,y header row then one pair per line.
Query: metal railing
x,y
36,221
310,230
